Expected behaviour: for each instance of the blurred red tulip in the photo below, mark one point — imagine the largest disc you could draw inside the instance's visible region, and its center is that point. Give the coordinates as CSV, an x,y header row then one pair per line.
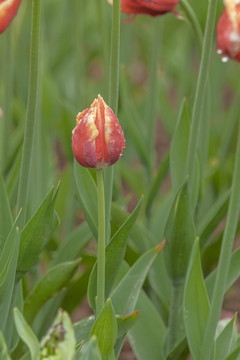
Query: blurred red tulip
x,y
98,139
8,10
148,7
228,31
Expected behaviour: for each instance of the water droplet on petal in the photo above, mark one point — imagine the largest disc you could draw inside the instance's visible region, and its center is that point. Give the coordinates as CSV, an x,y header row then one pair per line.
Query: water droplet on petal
x,y
225,59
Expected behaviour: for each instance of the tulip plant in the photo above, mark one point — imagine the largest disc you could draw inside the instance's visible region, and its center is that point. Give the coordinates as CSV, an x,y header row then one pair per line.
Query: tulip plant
x,y
120,230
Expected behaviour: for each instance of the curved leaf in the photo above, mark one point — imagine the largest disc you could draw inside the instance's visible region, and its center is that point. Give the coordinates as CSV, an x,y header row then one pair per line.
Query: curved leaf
x,y
52,282
26,334
36,233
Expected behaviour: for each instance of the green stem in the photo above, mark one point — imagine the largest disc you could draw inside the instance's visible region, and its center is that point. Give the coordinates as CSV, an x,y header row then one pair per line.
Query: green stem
x,y
113,99
193,20
200,90
224,260
101,243
25,171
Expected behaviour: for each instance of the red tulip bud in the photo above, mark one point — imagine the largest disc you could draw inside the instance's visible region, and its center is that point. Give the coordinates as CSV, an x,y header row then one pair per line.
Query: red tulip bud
x,y
97,140
148,7
8,10
228,31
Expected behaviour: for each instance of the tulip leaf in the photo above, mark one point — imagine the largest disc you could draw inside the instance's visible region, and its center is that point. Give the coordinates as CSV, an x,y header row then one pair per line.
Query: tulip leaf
x,y
36,234
124,324
26,334
180,235
179,148
234,355
4,354
82,329
148,331
71,248
130,286
195,303
156,183
233,273
8,264
224,340
213,216
105,329
52,282
11,335
90,350
6,220
115,252
87,195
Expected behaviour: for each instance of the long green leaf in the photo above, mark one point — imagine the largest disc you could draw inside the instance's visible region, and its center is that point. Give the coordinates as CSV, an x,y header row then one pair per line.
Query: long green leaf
x,y
90,350
105,329
4,354
52,282
178,152
26,334
180,235
87,195
233,274
115,252
11,335
8,263
196,304
213,216
71,248
234,354
148,334
36,233
125,295
156,184
124,323
224,341
6,220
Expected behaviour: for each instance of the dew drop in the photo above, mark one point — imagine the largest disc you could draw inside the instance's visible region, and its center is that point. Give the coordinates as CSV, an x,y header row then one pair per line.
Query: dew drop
x,y
225,59
219,51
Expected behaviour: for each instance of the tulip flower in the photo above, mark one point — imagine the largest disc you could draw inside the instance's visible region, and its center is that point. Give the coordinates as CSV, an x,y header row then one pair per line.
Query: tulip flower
x,y
228,31
8,10
147,7
97,140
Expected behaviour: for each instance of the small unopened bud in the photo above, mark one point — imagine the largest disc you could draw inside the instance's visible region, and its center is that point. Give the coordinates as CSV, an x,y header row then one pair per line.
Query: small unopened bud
x,y
97,140
8,10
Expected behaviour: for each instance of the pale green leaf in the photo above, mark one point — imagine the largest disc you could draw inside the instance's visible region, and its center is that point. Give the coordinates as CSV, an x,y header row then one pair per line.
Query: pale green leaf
x,y
105,329
26,334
